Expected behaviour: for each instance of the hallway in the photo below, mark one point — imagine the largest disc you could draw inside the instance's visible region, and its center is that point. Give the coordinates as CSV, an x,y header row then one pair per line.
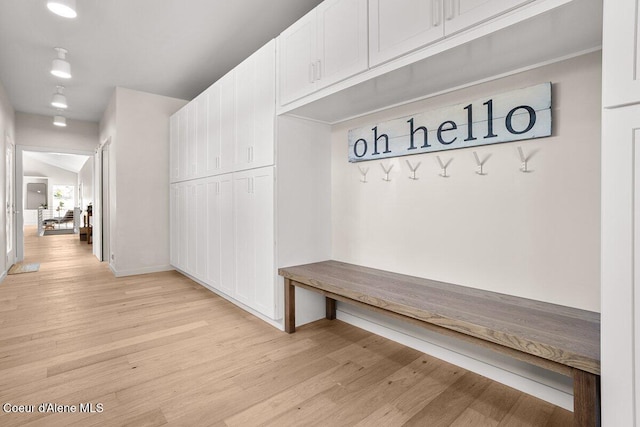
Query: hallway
x,y
159,349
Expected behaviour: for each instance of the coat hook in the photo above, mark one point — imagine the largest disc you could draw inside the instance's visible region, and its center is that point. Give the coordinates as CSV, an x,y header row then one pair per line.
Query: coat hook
x,y
386,172
363,172
444,167
413,170
523,161
480,164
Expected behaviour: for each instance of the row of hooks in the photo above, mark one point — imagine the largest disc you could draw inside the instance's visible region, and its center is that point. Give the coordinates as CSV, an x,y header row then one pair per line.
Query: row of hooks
x,y
443,167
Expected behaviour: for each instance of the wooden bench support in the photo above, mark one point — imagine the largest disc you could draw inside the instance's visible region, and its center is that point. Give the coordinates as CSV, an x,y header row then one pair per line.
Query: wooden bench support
x,y
289,306
331,308
586,398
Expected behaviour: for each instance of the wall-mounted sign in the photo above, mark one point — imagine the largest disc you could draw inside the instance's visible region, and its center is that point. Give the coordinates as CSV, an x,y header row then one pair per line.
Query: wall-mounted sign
x,y
512,116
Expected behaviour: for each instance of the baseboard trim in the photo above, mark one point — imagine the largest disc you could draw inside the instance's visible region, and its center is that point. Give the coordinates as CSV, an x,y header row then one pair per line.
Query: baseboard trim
x,y
138,271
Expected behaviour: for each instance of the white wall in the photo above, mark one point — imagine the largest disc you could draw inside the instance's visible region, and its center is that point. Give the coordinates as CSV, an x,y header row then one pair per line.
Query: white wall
x,y
34,130
139,172
534,235
7,130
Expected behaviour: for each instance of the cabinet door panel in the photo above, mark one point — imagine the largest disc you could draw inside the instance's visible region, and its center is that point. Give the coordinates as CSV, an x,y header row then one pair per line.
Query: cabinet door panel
x,y
461,14
254,215
173,225
200,223
227,236
227,121
342,40
297,54
190,217
192,139
255,109
202,131
213,131
174,148
620,55
183,151
181,203
397,27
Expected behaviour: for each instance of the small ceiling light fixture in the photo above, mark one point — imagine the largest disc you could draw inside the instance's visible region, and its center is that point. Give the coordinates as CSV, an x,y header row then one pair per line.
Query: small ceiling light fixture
x,y
59,100
64,8
60,121
60,67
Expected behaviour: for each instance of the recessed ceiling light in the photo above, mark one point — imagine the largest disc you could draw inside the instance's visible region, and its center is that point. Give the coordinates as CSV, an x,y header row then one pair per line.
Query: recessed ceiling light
x,y
65,8
59,100
60,67
60,121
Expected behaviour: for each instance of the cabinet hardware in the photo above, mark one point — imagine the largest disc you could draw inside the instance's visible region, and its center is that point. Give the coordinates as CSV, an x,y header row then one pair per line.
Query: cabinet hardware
x,y
251,154
312,72
319,69
435,10
449,10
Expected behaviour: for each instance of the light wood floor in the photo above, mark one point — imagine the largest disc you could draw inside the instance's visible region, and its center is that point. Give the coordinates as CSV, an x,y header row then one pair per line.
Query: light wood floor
x,y
160,350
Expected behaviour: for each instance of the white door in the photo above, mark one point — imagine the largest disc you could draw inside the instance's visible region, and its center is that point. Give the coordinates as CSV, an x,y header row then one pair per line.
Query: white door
x,y
105,205
255,109
254,224
10,203
397,27
298,59
342,40
461,14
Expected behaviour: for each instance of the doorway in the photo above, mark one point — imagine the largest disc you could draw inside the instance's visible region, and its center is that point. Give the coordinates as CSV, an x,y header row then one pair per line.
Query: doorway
x,y
63,172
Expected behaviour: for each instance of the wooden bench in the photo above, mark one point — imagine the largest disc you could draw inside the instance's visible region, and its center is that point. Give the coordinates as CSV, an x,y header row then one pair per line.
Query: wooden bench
x,y
562,339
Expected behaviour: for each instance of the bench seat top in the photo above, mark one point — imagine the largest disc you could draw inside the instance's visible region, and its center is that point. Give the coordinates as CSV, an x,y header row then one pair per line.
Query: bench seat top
x,y
565,335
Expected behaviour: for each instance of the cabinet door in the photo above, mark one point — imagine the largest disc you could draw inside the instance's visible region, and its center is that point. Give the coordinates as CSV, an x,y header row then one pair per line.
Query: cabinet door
x,y
620,55
192,139
183,155
181,205
190,219
297,58
397,27
461,14
342,40
254,221
200,223
255,109
227,234
202,134
174,148
174,221
227,121
214,145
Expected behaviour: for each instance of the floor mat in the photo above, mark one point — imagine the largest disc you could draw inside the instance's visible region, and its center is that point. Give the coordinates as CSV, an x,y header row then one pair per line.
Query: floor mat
x,y
24,268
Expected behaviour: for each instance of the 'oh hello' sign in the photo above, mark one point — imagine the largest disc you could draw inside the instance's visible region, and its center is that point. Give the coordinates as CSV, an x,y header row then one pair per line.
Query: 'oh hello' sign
x,y
512,116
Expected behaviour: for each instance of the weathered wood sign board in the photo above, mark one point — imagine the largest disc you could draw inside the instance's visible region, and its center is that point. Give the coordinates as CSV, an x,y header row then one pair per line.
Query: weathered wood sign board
x,y
512,116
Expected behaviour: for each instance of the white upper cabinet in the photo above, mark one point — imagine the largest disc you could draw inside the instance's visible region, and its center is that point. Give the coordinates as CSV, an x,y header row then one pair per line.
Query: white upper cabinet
x,y
342,40
214,143
202,133
397,27
400,26
326,45
255,109
461,14
620,55
227,121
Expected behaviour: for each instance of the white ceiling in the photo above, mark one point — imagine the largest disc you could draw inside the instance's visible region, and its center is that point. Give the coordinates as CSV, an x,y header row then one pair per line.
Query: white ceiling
x,y
70,162
175,48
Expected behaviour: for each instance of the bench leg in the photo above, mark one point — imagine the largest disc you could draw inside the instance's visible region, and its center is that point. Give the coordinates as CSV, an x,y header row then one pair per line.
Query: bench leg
x,y
586,399
331,308
289,306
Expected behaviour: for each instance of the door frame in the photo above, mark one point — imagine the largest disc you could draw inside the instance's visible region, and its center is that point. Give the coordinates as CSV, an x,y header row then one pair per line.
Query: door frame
x,y
10,199
19,185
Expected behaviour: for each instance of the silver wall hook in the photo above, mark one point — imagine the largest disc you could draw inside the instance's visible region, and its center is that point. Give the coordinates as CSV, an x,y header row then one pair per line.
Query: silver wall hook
x,y
444,167
413,170
386,172
523,161
363,173
480,164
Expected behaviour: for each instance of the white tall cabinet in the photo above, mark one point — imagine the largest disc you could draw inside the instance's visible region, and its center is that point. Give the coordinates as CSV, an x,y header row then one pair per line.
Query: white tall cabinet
x,y
227,184
620,214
